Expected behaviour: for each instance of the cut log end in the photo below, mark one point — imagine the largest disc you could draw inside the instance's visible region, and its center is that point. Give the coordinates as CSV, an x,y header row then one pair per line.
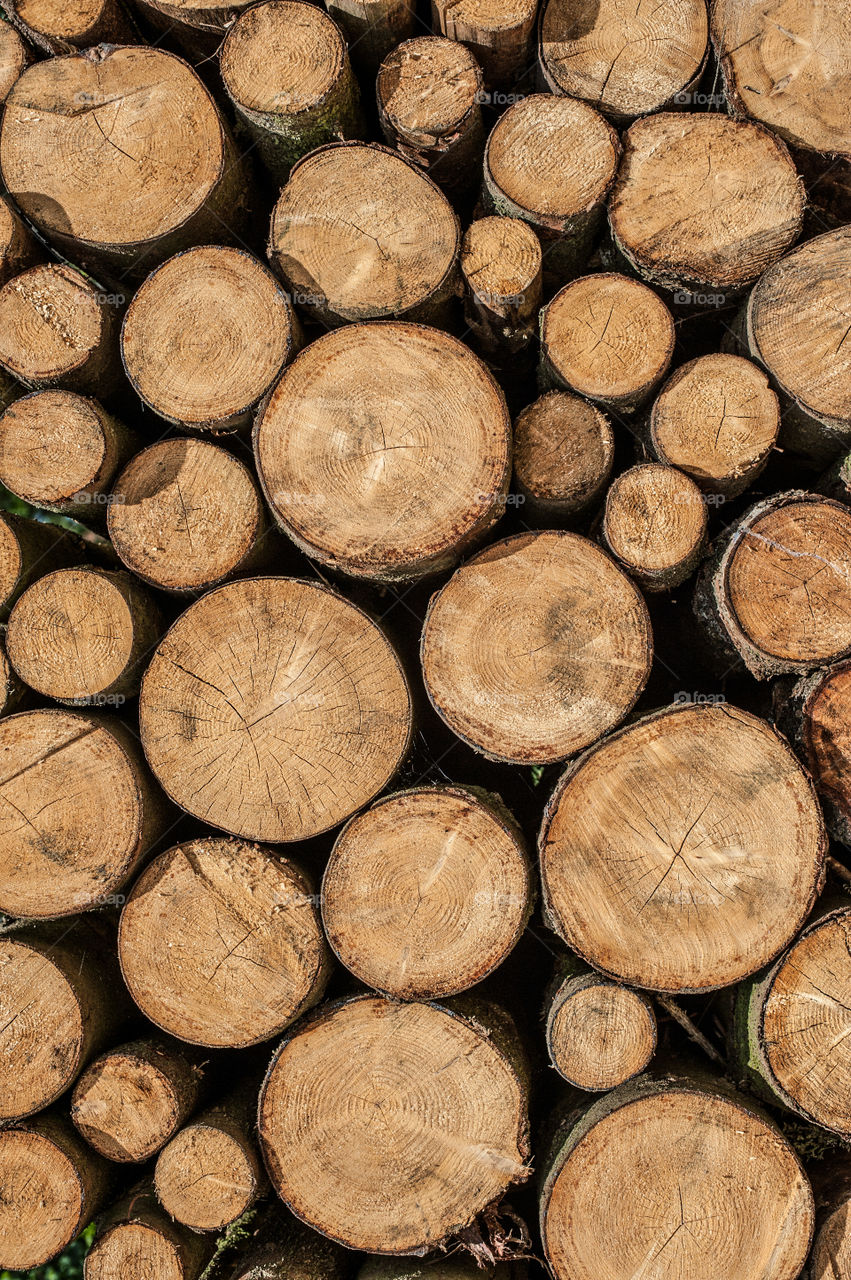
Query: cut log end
x,y
824,732
14,57
455,856
81,635
711,1155
449,1141
137,1240
655,524
220,943
501,264
608,338
84,779
206,1177
132,1099
207,376
384,450
625,59
499,654
185,515
263,664
500,35
683,224
59,28
717,419
564,449
600,1034
358,233
698,844
55,328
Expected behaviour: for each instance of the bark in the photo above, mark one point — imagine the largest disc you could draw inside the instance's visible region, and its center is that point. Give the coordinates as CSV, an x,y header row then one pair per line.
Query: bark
x,y
137,1239
622,372
599,1034
61,1002
744,598
84,636
552,162
585,628
501,265
363,419
185,515
683,229
780,1049
282,1248
14,57
501,37
19,248
653,826
367,1054
564,449
199,27
59,329
654,524
373,27
211,1173
717,419
601,1219
815,716
97,812
626,60
60,451
187,185
470,914
429,94
359,233
265,632
220,943
247,322
52,1186
289,108
132,1099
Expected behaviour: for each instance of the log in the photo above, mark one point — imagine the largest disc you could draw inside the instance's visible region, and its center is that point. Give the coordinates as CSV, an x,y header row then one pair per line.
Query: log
x,y
55,28
552,162
160,171
373,27
52,1185
429,93
442,1088
27,550
703,202
286,69
768,76
608,338
61,1002
717,419
599,1034
501,36
384,451
12,692
60,451
220,943
775,593
684,851
501,264
83,636
564,449
206,337
627,60
78,811
132,1099
460,858
359,233
283,1248
57,328
727,1194
275,656
536,647
137,1240
211,1173
830,1257
14,57
815,714
654,524
790,1024
186,515
794,326
19,248
198,26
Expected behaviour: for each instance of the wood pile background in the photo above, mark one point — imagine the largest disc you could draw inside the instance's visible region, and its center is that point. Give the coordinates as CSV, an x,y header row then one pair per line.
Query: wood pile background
x,y
425,589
